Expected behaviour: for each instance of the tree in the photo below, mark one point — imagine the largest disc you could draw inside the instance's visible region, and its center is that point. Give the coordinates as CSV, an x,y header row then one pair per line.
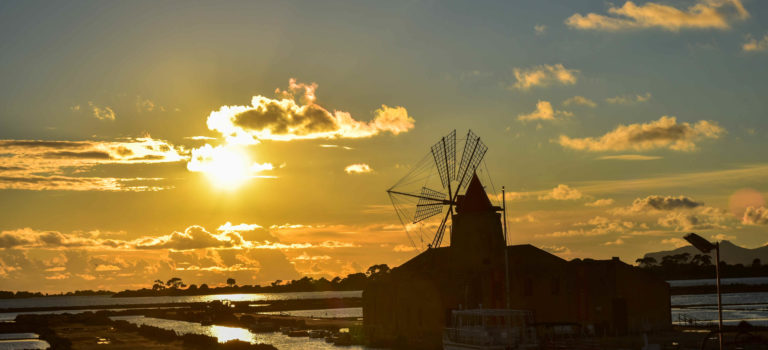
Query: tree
x,y
376,270
231,282
646,261
756,263
175,283
277,283
158,286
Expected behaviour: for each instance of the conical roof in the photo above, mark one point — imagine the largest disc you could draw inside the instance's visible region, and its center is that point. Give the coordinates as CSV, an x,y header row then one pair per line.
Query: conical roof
x,y
475,199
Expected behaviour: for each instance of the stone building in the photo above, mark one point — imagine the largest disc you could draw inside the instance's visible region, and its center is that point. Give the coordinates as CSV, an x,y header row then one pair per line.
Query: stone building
x,y
411,306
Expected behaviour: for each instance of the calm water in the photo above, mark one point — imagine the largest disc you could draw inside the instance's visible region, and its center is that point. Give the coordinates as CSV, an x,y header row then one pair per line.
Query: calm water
x,y
750,307
345,312
711,281
87,301
224,334
14,341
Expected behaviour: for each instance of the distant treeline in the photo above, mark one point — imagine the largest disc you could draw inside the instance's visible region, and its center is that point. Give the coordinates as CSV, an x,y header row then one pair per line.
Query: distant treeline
x,y
175,286
22,294
685,266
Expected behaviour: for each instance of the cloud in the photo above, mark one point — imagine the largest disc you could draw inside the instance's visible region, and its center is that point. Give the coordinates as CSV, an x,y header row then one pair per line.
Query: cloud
x,y
193,237
677,242
360,168
656,202
562,192
544,111
704,14
48,165
754,45
662,133
101,113
755,216
557,249
296,115
618,241
702,218
722,237
540,29
630,157
579,101
544,75
402,248
73,183
597,226
604,202
629,99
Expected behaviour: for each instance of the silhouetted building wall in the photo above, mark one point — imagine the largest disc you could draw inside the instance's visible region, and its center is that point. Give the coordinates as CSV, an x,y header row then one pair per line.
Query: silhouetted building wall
x,y
411,306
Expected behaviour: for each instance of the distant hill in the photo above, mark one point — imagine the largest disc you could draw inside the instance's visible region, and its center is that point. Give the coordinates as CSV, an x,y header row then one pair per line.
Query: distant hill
x,y
729,252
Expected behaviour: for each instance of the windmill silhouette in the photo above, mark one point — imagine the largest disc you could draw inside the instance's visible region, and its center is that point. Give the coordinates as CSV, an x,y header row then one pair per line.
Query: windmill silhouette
x,y
415,199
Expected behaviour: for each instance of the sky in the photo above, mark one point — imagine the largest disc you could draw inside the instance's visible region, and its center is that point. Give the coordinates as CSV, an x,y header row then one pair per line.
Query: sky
x,y
204,140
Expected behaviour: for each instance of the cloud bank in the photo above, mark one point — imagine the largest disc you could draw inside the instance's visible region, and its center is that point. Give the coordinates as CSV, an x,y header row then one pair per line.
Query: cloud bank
x,y
663,133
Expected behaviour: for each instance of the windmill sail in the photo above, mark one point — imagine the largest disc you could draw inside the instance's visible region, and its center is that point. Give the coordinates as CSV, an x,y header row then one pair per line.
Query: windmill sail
x,y
433,184
444,153
474,151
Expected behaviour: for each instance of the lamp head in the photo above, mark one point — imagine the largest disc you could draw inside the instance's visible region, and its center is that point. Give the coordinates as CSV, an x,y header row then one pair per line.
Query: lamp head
x,y
699,242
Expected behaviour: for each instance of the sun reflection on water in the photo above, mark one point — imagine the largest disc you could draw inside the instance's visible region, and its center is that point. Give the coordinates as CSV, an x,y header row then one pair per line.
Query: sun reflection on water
x,y
226,334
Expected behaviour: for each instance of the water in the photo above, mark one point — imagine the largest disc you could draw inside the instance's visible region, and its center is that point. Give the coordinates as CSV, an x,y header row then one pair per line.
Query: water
x,y
224,334
26,344
14,341
750,307
347,312
723,281
88,301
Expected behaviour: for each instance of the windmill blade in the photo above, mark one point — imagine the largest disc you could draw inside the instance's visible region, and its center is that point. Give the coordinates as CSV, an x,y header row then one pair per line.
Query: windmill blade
x,y
440,232
444,153
430,204
474,151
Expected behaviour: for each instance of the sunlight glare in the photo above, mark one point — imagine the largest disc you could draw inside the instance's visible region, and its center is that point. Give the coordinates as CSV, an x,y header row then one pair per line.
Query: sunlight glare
x,y
227,167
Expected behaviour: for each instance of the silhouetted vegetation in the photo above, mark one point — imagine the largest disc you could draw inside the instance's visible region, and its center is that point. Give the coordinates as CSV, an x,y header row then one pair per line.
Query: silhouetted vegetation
x,y
23,294
175,286
685,266
699,266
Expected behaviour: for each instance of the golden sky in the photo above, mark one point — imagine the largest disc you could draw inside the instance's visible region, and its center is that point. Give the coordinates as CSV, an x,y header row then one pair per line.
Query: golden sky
x,y
256,140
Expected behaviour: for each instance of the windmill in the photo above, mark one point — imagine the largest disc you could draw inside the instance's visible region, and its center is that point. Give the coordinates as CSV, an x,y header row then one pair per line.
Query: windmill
x,y
420,197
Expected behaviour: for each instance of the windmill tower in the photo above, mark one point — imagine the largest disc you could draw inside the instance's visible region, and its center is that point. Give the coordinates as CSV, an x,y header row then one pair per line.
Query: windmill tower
x,y
437,189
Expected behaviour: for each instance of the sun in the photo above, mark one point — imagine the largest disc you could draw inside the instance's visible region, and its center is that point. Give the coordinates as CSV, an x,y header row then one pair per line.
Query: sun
x,y
228,167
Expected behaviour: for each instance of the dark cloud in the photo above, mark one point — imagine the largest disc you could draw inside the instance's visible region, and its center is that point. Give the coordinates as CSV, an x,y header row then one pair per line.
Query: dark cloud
x,y
755,216
664,203
81,155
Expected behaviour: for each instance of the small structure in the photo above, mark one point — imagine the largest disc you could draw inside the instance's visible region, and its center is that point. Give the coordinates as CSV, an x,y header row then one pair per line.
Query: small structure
x,y
412,305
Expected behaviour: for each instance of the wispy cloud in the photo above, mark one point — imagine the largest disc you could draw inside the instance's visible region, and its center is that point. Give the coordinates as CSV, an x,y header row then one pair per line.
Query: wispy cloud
x,y
562,192
704,14
540,29
360,168
579,101
629,99
662,133
101,112
754,45
544,111
630,157
603,202
46,165
544,75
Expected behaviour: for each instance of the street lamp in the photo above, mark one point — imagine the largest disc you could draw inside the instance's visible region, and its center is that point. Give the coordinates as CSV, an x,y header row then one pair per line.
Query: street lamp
x,y
705,247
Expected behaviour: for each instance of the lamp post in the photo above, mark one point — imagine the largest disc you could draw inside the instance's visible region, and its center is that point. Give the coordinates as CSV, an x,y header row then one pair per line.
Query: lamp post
x,y
705,247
